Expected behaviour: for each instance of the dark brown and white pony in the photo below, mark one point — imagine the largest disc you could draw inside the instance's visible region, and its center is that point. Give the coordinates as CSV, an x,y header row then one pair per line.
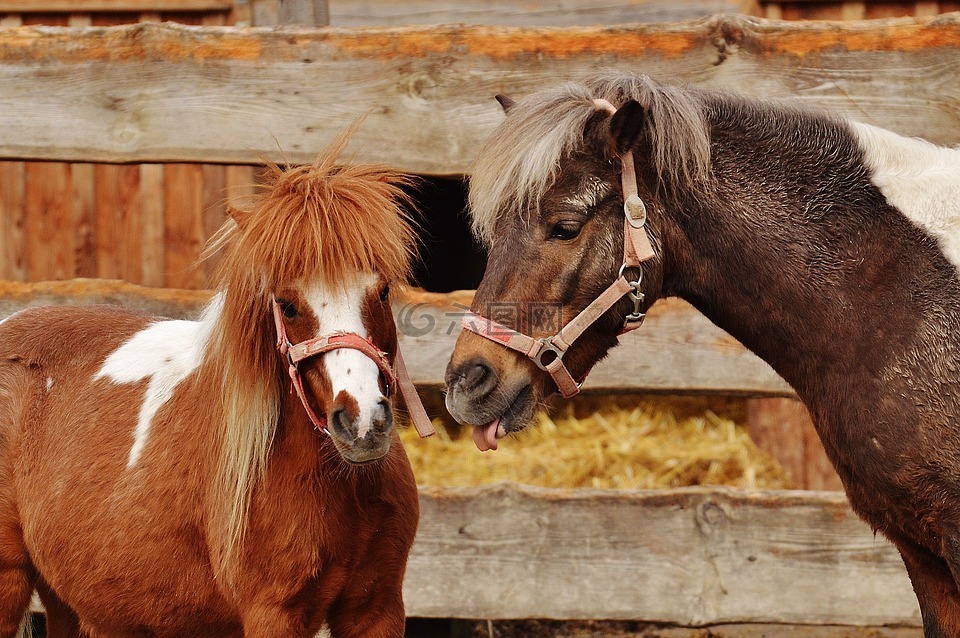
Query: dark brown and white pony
x,y
160,478
828,247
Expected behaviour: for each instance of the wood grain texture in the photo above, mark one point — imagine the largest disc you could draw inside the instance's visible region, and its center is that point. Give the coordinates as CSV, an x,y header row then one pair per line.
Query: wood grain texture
x,y
168,302
48,228
783,428
152,254
530,13
118,234
777,563
691,556
133,6
13,264
183,225
84,219
160,92
311,13
214,211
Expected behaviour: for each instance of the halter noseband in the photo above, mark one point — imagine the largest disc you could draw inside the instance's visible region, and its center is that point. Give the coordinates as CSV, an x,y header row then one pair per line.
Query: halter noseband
x,y
547,352
395,375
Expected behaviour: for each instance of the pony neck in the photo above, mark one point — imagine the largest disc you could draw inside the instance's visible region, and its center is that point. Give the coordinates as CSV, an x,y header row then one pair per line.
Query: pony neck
x,y
799,256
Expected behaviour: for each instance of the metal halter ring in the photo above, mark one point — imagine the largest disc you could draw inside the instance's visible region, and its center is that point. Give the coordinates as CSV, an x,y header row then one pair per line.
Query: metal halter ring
x,y
546,347
624,266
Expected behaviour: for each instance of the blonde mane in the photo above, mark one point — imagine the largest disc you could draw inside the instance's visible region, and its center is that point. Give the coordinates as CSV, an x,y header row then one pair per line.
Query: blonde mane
x,y
518,162
323,222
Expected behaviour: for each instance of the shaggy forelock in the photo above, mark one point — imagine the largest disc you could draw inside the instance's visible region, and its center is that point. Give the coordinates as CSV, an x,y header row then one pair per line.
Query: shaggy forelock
x,y
518,162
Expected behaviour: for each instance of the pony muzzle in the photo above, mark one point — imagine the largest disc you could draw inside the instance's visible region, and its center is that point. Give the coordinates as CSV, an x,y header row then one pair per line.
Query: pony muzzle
x,y
360,438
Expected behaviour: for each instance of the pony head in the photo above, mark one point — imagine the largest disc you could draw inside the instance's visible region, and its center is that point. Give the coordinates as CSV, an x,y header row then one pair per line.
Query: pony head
x,y
546,198
315,255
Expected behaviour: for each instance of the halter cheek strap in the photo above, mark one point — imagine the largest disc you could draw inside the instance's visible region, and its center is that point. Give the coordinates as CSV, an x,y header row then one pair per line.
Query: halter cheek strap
x,y
395,375
547,352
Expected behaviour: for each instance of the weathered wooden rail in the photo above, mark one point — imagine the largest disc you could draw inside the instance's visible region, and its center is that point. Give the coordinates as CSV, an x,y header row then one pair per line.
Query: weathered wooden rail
x,y
679,351
165,93
694,557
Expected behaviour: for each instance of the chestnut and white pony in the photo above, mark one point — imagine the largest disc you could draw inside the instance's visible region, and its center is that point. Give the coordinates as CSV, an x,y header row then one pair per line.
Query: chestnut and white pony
x,y
160,478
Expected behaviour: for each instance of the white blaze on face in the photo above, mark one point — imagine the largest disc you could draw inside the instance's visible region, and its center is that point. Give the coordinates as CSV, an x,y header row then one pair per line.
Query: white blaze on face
x,y
166,353
920,179
349,371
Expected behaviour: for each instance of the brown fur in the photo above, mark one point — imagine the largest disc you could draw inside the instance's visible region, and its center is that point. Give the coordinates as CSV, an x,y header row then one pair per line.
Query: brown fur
x,y
239,518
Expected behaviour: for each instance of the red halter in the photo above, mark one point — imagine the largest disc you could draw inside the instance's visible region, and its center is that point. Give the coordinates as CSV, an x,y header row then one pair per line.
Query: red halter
x,y
547,352
392,375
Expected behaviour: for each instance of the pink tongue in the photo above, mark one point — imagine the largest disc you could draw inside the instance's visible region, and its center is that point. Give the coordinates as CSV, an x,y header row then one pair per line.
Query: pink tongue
x,y
485,436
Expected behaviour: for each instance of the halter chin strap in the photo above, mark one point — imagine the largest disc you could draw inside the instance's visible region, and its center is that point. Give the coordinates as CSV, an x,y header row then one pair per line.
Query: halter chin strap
x,y
395,375
547,352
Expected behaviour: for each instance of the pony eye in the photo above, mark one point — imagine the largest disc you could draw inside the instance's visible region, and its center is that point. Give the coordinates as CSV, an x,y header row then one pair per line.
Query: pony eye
x,y
566,230
288,309
385,293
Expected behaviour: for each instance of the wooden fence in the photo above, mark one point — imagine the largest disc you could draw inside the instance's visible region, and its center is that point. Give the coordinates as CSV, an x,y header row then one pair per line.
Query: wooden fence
x,y
166,96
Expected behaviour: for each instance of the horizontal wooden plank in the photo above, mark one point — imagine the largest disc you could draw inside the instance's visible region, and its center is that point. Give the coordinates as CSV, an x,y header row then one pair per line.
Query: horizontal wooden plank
x,y
163,92
677,351
122,6
688,556
531,13
877,3
692,556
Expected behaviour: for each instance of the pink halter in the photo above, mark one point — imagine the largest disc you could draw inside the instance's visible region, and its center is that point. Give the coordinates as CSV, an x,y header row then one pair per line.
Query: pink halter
x,y
547,352
392,375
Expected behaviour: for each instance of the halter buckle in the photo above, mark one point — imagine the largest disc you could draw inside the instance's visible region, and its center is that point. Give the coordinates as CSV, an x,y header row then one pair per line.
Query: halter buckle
x,y
547,347
635,210
287,351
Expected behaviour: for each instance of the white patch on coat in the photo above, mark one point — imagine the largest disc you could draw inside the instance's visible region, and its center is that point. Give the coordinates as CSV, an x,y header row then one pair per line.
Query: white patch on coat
x,y
49,383
920,179
166,352
348,370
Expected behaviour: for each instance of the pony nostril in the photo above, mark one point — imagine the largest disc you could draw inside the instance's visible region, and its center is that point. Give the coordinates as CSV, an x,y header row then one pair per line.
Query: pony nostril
x,y
382,417
343,425
477,377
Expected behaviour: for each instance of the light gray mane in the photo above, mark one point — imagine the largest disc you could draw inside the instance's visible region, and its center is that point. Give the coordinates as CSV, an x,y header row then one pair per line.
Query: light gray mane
x,y
519,160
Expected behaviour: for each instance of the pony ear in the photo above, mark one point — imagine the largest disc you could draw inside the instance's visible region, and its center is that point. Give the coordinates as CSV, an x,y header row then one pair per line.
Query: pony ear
x,y
626,126
505,102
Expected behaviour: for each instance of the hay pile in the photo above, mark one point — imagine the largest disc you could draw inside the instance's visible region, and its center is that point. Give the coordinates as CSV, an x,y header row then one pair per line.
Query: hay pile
x,y
605,442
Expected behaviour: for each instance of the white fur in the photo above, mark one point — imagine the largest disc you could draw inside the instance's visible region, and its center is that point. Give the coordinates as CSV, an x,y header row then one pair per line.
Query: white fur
x,y
592,190
349,371
166,352
920,179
